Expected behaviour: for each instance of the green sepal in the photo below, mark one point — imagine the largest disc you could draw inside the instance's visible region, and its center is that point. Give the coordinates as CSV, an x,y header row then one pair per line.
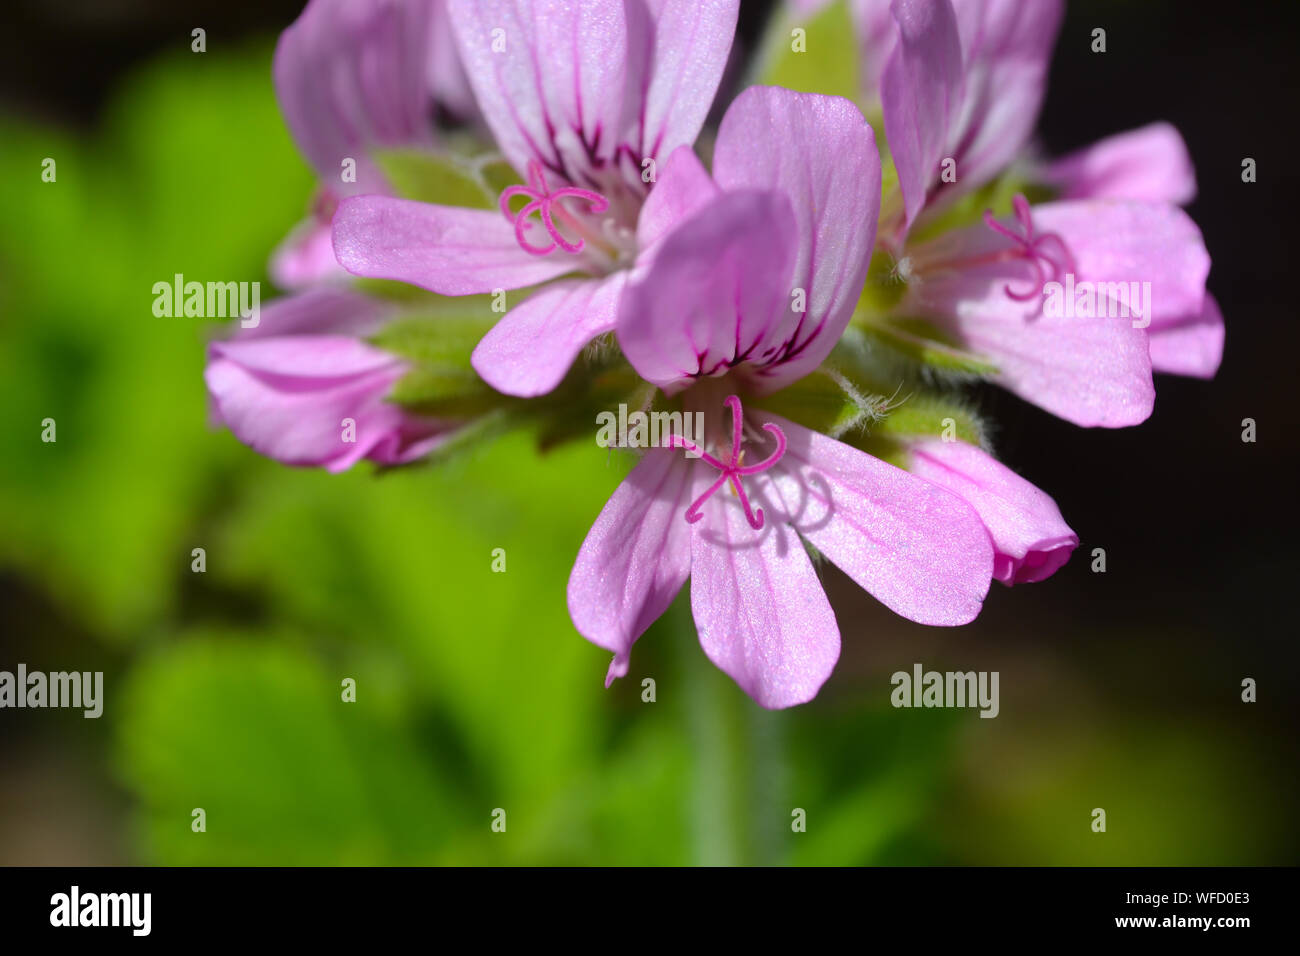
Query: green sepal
x,y
438,342
920,342
445,179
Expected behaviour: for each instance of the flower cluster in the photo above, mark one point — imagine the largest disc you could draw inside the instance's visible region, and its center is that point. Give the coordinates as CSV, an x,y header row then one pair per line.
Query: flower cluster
x,y
817,293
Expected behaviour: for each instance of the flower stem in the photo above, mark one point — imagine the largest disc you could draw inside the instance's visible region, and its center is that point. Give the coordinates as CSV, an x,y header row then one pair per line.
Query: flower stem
x,y
738,784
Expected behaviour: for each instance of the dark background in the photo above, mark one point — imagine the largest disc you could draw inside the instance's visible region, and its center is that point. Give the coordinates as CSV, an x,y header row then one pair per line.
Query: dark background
x,y
1199,528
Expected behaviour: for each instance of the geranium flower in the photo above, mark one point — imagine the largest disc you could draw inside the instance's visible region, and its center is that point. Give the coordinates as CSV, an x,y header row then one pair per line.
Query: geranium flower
x,y
785,222
585,100
964,85
352,76
1149,165
305,388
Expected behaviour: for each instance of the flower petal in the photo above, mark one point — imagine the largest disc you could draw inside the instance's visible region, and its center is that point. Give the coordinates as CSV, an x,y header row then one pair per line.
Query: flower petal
x,y
349,75
1191,346
445,249
717,293
760,610
287,397
690,42
550,79
834,189
447,79
683,185
531,349
1115,241
306,257
1006,51
921,91
320,311
917,548
636,557
1150,164
1031,540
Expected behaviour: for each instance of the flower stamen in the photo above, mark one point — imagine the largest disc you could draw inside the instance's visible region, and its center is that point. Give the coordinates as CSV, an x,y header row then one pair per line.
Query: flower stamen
x,y
546,204
1031,249
733,470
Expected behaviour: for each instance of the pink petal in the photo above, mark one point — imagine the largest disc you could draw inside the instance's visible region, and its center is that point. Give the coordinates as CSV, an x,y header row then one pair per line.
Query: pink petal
x,y
921,91
350,75
759,607
306,257
447,79
321,311
716,294
877,32
1006,50
1150,164
1031,540
555,92
287,397
1115,241
683,186
445,249
917,548
767,142
636,557
531,349
690,42
1191,346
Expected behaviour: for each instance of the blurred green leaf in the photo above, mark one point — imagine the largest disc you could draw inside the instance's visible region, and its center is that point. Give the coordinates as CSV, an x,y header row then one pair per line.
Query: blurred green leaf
x,y
258,736
192,173
828,60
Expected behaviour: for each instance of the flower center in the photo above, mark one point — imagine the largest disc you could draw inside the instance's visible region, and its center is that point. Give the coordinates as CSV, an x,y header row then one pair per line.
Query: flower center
x,y
546,203
733,470
1030,247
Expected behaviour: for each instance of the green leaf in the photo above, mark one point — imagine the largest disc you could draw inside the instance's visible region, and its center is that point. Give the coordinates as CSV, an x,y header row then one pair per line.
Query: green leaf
x,y
829,62
258,736
192,172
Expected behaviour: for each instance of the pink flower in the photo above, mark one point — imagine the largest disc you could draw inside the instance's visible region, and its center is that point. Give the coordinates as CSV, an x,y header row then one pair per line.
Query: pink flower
x,y
303,387
1031,541
1149,165
964,86
586,100
986,285
351,76
715,315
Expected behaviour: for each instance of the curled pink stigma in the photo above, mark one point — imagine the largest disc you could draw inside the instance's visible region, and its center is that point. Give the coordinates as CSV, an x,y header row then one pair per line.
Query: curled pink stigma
x,y
1031,249
733,470
545,202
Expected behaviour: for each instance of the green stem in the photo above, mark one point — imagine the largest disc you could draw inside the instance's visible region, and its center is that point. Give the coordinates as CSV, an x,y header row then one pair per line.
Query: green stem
x,y
737,812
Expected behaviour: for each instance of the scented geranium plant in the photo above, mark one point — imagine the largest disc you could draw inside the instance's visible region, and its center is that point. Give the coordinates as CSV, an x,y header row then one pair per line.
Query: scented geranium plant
x,y
819,295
